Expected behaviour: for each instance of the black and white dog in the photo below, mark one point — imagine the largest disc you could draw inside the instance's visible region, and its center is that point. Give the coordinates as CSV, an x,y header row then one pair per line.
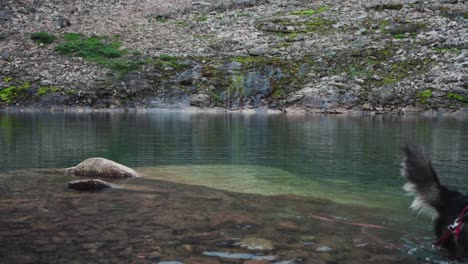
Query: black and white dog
x,y
448,208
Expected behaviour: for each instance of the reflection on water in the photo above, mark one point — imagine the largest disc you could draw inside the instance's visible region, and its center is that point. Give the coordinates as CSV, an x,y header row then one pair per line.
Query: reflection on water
x,y
352,161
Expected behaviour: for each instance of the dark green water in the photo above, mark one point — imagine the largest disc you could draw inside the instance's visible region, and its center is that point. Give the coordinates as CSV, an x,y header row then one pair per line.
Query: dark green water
x,y
349,160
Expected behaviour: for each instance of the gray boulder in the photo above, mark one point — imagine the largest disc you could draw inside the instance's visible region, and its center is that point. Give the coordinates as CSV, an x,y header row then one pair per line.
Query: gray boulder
x,y
100,167
62,22
89,185
200,100
4,16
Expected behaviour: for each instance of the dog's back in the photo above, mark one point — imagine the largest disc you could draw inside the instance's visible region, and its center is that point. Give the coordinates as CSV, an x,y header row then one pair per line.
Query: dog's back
x,y
439,202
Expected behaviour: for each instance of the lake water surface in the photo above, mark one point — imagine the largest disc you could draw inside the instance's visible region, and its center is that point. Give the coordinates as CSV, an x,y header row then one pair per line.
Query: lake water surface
x,y
352,162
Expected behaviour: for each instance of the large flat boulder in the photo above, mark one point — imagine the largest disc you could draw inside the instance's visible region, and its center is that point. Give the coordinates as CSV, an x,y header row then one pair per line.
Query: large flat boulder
x,y
101,168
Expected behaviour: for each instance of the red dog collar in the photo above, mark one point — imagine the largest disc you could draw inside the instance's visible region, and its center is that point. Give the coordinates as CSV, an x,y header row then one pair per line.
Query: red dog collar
x,y
453,229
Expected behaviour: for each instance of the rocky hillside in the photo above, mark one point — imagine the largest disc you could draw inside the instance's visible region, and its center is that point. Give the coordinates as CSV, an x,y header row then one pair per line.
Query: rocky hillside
x,y
321,56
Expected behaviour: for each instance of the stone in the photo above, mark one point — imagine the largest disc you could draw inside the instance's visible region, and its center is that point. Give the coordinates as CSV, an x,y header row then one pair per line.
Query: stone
x,y
255,243
45,83
89,185
101,167
366,107
62,22
200,100
258,51
5,55
154,256
245,3
360,43
233,66
5,16
323,249
287,226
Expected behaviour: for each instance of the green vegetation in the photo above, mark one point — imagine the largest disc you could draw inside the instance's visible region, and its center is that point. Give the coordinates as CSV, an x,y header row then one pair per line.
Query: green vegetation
x,y
7,79
425,95
93,48
45,90
458,97
12,93
183,23
400,36
309,12
100,50
43,37
452,50
69,37
161,19
203,18
166,60
376,66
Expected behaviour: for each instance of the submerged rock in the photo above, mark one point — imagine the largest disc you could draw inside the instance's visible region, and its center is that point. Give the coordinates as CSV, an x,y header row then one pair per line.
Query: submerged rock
x,y
239,256
89,185
254,243
100,167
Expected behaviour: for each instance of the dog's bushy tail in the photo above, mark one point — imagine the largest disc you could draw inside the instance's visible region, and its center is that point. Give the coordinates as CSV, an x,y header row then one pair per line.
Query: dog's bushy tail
x,y
422,181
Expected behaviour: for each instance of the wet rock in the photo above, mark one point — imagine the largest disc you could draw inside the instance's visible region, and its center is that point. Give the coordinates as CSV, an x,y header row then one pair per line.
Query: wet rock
x,y
323,249
100,167
287,226
89,185
239,256
366,107
200,100
255,243
233,219
200,260
154,256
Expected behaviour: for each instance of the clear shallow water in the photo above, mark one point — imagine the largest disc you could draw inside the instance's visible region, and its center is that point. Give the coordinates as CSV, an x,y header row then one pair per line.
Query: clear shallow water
x,y
348,160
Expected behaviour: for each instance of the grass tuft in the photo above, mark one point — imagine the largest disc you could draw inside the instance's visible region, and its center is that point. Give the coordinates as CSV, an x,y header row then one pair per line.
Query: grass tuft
x,y
43,37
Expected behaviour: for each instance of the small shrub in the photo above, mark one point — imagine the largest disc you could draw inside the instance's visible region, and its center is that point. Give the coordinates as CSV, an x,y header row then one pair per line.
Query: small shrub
x,y
43,37
94,48
10,94
45,90
183,23
458,97
73,36
400,36
166,57
424,95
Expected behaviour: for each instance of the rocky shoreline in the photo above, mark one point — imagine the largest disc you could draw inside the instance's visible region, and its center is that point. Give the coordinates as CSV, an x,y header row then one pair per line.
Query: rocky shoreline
x,y
307,56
